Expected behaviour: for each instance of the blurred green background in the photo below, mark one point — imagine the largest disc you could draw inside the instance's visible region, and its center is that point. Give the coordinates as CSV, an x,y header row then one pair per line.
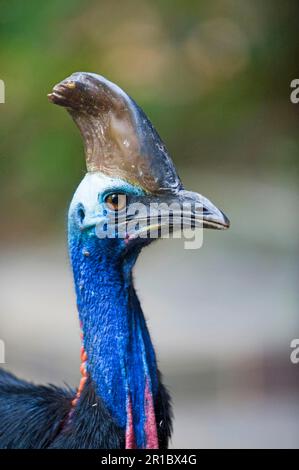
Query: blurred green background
x,y
214,78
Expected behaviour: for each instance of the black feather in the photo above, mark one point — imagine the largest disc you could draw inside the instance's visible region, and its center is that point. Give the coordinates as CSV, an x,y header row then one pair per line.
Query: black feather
x,y
38,416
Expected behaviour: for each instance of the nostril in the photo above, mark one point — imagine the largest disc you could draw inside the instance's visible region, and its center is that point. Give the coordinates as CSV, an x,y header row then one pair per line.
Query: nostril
x,y
81,214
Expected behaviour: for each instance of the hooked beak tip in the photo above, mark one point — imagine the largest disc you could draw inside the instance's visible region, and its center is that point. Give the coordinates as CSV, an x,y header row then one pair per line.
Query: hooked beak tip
x,y
209,214
226,221
216,220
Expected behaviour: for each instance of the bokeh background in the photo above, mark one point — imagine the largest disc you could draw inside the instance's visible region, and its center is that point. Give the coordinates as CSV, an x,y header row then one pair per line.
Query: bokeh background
x,y
214,77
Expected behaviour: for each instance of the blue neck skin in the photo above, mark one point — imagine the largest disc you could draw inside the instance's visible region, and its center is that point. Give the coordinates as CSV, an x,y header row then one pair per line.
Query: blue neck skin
x,y
120,355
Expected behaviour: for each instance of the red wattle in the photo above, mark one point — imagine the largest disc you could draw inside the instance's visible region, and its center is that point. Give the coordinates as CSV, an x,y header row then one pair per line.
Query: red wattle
x,y
130,438
150,423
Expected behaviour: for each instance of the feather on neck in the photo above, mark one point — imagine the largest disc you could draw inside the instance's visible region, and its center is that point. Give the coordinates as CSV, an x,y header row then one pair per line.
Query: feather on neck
x,y
120,356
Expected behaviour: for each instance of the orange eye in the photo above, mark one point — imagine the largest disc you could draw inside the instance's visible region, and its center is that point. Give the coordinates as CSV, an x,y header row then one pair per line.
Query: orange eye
x,y
116,202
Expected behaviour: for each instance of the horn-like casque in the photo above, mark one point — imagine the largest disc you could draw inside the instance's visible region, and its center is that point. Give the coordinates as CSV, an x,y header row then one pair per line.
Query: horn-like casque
x,y
119,139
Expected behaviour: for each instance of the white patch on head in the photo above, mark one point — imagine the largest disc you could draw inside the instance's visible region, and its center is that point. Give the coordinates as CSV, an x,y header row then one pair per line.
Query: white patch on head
x,y
89,191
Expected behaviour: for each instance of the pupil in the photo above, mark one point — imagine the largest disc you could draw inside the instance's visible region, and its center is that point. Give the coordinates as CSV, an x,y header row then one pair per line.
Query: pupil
x,y
114,199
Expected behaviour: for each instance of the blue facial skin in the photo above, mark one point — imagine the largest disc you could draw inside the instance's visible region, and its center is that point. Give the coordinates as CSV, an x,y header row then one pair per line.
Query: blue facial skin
x,y
120,355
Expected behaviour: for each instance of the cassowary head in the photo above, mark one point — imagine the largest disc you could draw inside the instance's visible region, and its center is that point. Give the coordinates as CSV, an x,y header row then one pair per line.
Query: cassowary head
x,y
131,193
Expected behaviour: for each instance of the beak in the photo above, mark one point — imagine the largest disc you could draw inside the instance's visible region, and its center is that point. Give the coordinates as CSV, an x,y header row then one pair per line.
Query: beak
x,y
201,212
154,215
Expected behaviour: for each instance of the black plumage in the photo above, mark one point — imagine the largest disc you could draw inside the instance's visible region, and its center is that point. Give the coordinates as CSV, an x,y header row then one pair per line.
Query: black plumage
x,y
42,417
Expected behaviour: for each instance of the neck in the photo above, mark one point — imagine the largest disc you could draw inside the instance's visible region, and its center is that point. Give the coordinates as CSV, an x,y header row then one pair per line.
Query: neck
x,y
120,358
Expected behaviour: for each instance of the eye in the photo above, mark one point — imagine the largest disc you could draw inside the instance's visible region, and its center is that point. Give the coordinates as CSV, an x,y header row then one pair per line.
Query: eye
x,y
116,201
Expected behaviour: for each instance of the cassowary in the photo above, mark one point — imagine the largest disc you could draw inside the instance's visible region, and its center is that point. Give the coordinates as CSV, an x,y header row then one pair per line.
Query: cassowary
x,y
121,401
